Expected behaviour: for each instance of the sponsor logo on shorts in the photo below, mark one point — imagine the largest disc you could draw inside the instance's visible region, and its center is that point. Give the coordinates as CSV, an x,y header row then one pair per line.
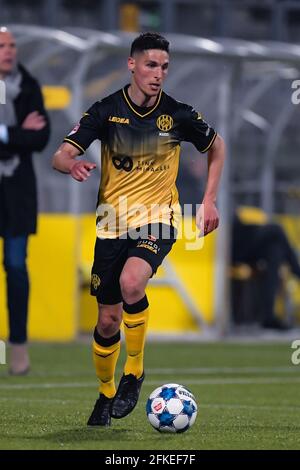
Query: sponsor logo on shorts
x,y
149,245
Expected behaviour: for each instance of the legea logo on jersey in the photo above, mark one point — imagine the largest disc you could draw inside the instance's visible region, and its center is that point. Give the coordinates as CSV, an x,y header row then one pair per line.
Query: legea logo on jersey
x,y
118,120
164,122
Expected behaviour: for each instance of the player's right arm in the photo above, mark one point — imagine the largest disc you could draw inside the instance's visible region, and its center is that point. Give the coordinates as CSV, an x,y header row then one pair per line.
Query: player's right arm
x,y
90,128
64,160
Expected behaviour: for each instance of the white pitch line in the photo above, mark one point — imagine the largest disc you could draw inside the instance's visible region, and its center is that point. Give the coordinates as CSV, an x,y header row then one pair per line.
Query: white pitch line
x,y
222,370
236,381
250,407
28,386
54,401
225,381
38,400
183,371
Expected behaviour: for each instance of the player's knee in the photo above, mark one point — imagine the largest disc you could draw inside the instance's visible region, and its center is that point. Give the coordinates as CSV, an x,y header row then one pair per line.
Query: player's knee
x,y
130,287
108,326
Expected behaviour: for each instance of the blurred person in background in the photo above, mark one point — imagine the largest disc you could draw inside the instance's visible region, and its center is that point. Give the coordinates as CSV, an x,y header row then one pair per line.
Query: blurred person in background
x,y
265,247
140,128
24,128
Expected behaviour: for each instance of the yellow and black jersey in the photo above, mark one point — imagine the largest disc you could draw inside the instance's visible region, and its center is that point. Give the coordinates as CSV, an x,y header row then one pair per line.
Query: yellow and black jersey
x,y
140,150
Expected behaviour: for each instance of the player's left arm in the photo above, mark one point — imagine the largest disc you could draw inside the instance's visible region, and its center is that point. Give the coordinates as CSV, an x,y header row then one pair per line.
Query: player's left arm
x,y
207,217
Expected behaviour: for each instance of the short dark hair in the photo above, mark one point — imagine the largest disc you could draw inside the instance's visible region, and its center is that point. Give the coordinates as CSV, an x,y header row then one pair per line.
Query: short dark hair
x,y
147,41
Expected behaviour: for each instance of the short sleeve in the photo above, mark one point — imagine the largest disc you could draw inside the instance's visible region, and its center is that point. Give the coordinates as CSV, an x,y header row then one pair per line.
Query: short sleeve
x,y
89,128
197,131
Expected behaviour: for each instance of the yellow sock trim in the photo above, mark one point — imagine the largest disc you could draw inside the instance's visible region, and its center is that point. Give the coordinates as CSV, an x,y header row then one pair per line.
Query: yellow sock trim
x,y
135,328
105,360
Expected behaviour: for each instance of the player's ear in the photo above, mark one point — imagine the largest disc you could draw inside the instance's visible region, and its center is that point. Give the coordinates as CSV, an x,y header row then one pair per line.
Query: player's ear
x,y
131,64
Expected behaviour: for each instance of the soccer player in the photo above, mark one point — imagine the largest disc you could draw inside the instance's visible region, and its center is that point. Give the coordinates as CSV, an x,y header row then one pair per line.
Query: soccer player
x,y
140,128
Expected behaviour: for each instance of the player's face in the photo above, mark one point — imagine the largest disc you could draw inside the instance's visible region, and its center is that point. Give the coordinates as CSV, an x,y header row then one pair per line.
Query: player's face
x,y
8,53
150,69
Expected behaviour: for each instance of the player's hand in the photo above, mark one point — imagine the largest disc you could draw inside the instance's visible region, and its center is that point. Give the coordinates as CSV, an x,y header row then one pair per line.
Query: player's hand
x,y
81,169
207,218
34,121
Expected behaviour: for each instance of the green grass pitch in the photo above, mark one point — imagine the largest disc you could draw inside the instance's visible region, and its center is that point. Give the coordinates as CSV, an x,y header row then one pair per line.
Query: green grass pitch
x,y
247,395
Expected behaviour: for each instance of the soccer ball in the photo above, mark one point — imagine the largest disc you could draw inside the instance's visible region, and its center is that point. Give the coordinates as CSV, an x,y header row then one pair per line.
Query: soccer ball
x,y
171,408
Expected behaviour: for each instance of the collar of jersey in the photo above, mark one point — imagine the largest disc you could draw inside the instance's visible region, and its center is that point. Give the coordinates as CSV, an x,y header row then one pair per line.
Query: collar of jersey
x,y
136,108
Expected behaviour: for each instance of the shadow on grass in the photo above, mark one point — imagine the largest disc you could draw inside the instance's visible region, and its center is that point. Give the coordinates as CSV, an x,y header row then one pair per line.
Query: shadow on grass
x,y
87,434
89,438
105,436
90,434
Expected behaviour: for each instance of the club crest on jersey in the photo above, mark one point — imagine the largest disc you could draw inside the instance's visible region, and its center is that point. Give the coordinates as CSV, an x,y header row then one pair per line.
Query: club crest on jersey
x,y
73,131
164,122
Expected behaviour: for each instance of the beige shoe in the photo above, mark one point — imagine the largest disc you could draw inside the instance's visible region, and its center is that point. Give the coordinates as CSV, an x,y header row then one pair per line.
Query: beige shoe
x,y
19,363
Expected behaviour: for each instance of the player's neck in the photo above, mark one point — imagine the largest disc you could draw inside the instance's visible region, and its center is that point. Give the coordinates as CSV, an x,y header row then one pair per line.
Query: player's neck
x,y
139,98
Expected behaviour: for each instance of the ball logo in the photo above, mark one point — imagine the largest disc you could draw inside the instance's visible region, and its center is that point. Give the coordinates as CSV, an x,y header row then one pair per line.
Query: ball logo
x,y
171,408
164,122
157,407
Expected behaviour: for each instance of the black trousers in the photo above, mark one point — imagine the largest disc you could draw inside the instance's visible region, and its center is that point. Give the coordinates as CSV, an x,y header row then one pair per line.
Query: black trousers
x,y
268,244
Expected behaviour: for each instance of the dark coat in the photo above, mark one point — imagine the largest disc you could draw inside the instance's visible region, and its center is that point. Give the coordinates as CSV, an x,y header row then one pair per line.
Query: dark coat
x,y
18,195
